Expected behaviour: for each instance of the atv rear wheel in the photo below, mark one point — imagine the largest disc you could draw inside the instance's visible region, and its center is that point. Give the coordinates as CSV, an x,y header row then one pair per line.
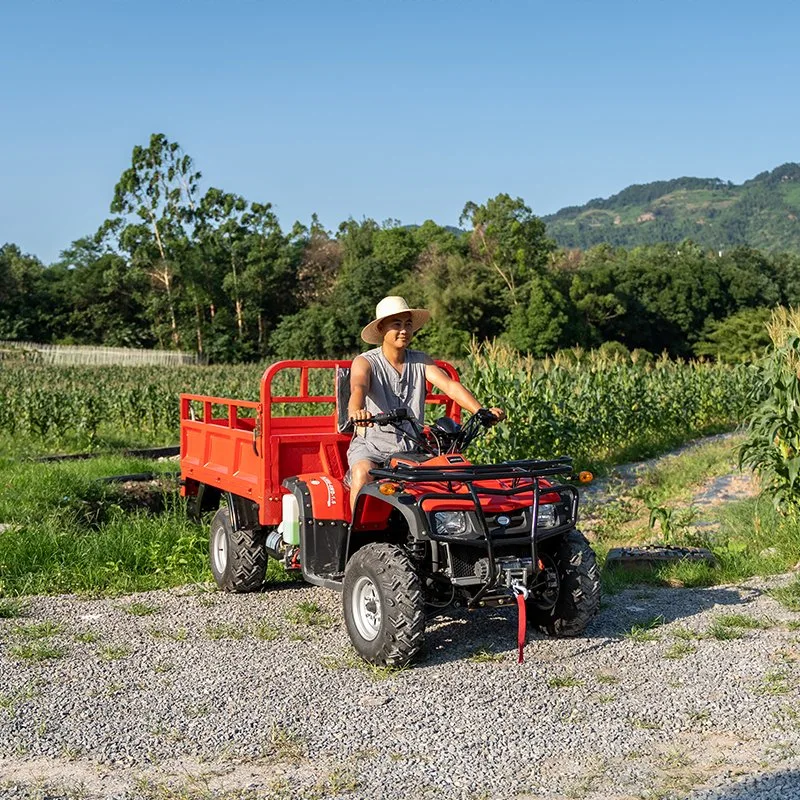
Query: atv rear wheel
x,y
384,609
238,558
578,596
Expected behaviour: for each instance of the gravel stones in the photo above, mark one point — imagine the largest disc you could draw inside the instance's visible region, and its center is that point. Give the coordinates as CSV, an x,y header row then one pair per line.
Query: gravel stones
x,y
172,688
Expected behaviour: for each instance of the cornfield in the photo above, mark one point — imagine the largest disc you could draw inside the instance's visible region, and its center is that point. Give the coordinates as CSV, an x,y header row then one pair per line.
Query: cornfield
x,y
590,407
600,408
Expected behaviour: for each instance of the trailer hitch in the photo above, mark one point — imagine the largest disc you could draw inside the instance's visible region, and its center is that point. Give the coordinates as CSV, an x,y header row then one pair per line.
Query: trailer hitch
x,y
521,593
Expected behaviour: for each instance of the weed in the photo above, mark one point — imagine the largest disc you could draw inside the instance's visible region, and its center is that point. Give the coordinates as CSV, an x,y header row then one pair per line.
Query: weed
x,y
308,613
675,758
12,608
36,651
177,635
788,596
483,655
266,631
141,609
164,667
699,716
87,637
225,631
37,630
10,702
606,698
775,683
645,631
563,681
679,650
722,632
742,621
113,652
606,677
684,634
287,745
646,724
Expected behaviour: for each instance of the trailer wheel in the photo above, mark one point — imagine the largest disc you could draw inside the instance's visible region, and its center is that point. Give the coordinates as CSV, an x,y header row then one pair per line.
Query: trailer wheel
x,y
238,558
384,609
578,591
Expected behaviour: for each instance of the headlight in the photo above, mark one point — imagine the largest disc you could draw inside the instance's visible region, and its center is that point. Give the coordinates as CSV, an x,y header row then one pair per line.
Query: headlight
x,y
450,523
547,516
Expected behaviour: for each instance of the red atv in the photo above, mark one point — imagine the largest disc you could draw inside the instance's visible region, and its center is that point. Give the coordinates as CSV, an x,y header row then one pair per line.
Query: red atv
x,y
432,531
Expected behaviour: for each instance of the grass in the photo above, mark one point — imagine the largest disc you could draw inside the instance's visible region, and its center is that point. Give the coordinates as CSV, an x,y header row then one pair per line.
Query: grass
x,y
308,613
113,652
788,596
266,631
37,630
225,631
484,655
141,609
11,608
722,632
679,650
644,631
36,651
563,681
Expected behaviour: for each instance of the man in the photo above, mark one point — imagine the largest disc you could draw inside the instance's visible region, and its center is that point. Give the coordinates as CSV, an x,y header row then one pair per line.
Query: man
x,y
393,376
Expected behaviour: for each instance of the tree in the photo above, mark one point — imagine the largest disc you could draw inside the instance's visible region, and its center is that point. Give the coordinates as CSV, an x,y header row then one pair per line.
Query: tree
x,y
509,238
159,188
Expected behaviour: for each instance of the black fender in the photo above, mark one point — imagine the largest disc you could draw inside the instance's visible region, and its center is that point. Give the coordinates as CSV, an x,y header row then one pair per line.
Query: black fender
x,y
323,543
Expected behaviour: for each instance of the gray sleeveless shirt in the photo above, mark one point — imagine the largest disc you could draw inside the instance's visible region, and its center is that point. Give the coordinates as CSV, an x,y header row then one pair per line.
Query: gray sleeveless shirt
x,y
389,390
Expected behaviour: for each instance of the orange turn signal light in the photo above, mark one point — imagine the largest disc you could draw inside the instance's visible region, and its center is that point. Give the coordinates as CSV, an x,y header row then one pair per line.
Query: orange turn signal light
x,y
586,477
389,488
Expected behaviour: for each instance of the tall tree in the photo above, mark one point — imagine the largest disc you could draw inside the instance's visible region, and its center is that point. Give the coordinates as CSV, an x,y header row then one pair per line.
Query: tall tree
x,y
159,188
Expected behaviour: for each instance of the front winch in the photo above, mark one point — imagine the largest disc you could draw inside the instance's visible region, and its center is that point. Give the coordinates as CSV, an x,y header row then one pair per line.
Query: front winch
x,y
509,570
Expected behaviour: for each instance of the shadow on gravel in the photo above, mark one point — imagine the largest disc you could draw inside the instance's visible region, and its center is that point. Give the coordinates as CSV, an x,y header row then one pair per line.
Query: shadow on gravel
x,y
776,786
459,633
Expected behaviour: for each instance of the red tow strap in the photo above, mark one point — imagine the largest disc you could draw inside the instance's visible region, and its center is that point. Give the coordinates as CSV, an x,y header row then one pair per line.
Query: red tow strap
x,y
522,628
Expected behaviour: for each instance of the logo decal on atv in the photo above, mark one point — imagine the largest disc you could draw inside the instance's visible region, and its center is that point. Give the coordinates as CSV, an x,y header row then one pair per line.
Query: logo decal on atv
x,y
331,491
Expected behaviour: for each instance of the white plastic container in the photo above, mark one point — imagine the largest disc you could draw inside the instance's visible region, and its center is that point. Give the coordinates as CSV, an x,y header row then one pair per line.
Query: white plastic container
x,y
291,519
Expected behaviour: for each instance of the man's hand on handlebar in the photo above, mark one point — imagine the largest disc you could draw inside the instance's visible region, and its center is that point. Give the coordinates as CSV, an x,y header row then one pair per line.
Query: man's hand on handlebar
x,y
490,416
362,418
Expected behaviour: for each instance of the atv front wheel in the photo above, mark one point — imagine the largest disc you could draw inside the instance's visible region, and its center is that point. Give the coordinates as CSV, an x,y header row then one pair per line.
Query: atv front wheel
x,y
238,558
384,609
578,589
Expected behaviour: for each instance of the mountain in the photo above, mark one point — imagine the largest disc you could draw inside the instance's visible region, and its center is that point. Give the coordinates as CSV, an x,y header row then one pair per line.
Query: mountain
x,y
763,212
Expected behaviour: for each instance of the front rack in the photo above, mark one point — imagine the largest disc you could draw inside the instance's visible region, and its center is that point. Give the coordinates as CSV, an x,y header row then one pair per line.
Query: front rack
x,y
525,476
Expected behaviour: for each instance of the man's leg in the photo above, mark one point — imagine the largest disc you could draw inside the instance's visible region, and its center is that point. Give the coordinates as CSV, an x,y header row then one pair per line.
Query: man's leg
x,y
359,475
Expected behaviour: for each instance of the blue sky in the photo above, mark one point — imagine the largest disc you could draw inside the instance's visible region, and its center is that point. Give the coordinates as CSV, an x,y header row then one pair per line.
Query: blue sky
x,y
403,109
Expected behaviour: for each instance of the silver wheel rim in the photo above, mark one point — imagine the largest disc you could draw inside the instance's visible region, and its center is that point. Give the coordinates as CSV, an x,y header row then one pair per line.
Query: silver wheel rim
x,y
220,551
366,608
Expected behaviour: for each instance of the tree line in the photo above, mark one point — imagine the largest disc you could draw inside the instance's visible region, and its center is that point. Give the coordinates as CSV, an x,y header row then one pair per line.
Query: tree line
x,y
216,273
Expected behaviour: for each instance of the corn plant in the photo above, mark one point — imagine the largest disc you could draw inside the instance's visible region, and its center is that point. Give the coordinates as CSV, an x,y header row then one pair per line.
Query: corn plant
x,y
772,447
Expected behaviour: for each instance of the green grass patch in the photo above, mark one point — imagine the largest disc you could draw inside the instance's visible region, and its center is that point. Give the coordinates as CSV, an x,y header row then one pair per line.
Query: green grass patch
x,y
645,631
563,681
308,613
37,630
225,631
114,652
141,610
36,651
11,608
266,631
743,621
679,650
723,633
483,655
788,596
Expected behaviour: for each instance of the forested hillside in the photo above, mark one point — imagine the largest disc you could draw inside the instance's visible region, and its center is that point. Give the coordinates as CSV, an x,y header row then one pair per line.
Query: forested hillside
x,y
762,213
216,273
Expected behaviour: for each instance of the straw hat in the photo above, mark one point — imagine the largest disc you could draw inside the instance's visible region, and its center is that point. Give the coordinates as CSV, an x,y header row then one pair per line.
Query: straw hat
x,y
388,307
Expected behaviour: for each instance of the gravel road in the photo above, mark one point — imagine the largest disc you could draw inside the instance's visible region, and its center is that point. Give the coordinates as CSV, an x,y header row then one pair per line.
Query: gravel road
x,y
199,694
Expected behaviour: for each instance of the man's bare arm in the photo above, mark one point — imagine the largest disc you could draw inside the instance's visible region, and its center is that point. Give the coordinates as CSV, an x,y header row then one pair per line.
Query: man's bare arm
x,y
359,386
456,390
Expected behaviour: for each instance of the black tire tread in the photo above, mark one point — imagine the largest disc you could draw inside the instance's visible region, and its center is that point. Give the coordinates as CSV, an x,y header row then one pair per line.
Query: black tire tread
x,y
247,556
404,634
579,598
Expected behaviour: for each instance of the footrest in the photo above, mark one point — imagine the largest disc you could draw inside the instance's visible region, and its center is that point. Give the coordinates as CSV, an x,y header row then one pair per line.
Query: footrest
x,y
651,556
